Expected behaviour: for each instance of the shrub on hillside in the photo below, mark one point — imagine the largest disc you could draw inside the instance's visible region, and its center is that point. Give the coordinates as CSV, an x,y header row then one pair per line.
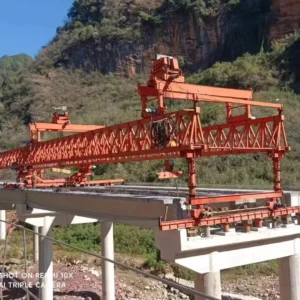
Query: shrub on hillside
x,y
128,239
247,72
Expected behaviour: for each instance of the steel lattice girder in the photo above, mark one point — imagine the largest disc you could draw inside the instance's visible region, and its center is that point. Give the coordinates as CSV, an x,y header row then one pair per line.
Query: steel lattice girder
x,y
132,141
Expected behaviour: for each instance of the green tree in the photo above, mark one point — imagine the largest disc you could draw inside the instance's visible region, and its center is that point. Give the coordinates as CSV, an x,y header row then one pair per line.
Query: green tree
x,y
247,72
15,62
86,11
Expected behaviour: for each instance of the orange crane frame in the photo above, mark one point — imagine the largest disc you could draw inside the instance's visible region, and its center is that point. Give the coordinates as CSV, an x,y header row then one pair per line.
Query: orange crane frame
x,y
60,123
180,135
169,172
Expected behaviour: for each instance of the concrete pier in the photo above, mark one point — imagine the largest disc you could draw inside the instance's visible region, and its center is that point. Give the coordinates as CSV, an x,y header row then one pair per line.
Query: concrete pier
x,y
2,225
289,277
208,283
108,271
46,260
35,244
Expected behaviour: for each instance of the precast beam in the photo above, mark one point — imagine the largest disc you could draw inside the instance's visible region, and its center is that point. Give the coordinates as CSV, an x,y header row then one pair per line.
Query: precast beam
x,y
142,211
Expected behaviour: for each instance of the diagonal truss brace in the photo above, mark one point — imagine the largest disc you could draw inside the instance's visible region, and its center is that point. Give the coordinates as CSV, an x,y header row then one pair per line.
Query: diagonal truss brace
x,y
134,141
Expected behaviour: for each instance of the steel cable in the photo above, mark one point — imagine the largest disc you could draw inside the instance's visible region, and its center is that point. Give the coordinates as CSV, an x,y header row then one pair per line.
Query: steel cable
x,y
25,261
23,288
3,264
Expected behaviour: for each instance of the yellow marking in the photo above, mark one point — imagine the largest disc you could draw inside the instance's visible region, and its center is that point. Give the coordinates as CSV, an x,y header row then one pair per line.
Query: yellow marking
x,y
61,170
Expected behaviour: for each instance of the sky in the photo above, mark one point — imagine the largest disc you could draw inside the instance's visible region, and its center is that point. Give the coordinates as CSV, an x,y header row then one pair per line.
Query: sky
x,y
27,25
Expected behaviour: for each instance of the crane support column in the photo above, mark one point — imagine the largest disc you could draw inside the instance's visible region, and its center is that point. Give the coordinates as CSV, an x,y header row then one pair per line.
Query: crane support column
x,y
2,225
276,170
289,277
35,244
192,182
46,260
108,271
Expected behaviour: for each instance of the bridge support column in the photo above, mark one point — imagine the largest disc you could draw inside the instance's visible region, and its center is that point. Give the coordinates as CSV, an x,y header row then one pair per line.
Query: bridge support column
x,y
35,244
2,225
108,271
289,277
208,283
46,260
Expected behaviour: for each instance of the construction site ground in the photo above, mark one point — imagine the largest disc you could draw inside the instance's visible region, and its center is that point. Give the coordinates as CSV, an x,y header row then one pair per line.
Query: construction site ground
x,y
82,280
83,276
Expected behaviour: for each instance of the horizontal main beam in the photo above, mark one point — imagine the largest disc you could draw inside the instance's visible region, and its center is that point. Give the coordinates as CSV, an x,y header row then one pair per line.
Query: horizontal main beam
x,y
191,88
143,211
228,218
137,141
231,198
198,93
62,127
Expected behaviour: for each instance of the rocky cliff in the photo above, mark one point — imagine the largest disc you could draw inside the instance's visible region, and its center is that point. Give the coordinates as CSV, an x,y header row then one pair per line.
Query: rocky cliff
x,y
224,32
285,18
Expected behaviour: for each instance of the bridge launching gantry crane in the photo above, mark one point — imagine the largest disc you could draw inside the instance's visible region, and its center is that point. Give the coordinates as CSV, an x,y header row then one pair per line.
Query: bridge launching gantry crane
x,y
161,134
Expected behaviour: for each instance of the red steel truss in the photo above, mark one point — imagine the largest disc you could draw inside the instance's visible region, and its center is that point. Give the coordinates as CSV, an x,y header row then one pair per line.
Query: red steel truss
x,y
166,135
35,178
133,141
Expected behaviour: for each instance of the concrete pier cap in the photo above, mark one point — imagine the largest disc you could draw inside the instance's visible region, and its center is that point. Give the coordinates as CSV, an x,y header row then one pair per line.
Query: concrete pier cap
x,y
35,217
208,254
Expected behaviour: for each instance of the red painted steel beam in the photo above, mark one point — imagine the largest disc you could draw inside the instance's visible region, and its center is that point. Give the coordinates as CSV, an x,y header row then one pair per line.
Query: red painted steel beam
x,y
169,174
197,93
254,134
35,127
133,141
232,198
123,142
63,182
228,218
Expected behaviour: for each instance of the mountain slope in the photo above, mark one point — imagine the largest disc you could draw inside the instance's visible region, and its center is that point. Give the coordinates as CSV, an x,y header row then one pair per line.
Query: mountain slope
x,y
123,36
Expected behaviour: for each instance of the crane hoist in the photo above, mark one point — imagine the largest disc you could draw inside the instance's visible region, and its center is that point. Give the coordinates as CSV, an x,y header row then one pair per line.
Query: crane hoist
x,y
161,134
